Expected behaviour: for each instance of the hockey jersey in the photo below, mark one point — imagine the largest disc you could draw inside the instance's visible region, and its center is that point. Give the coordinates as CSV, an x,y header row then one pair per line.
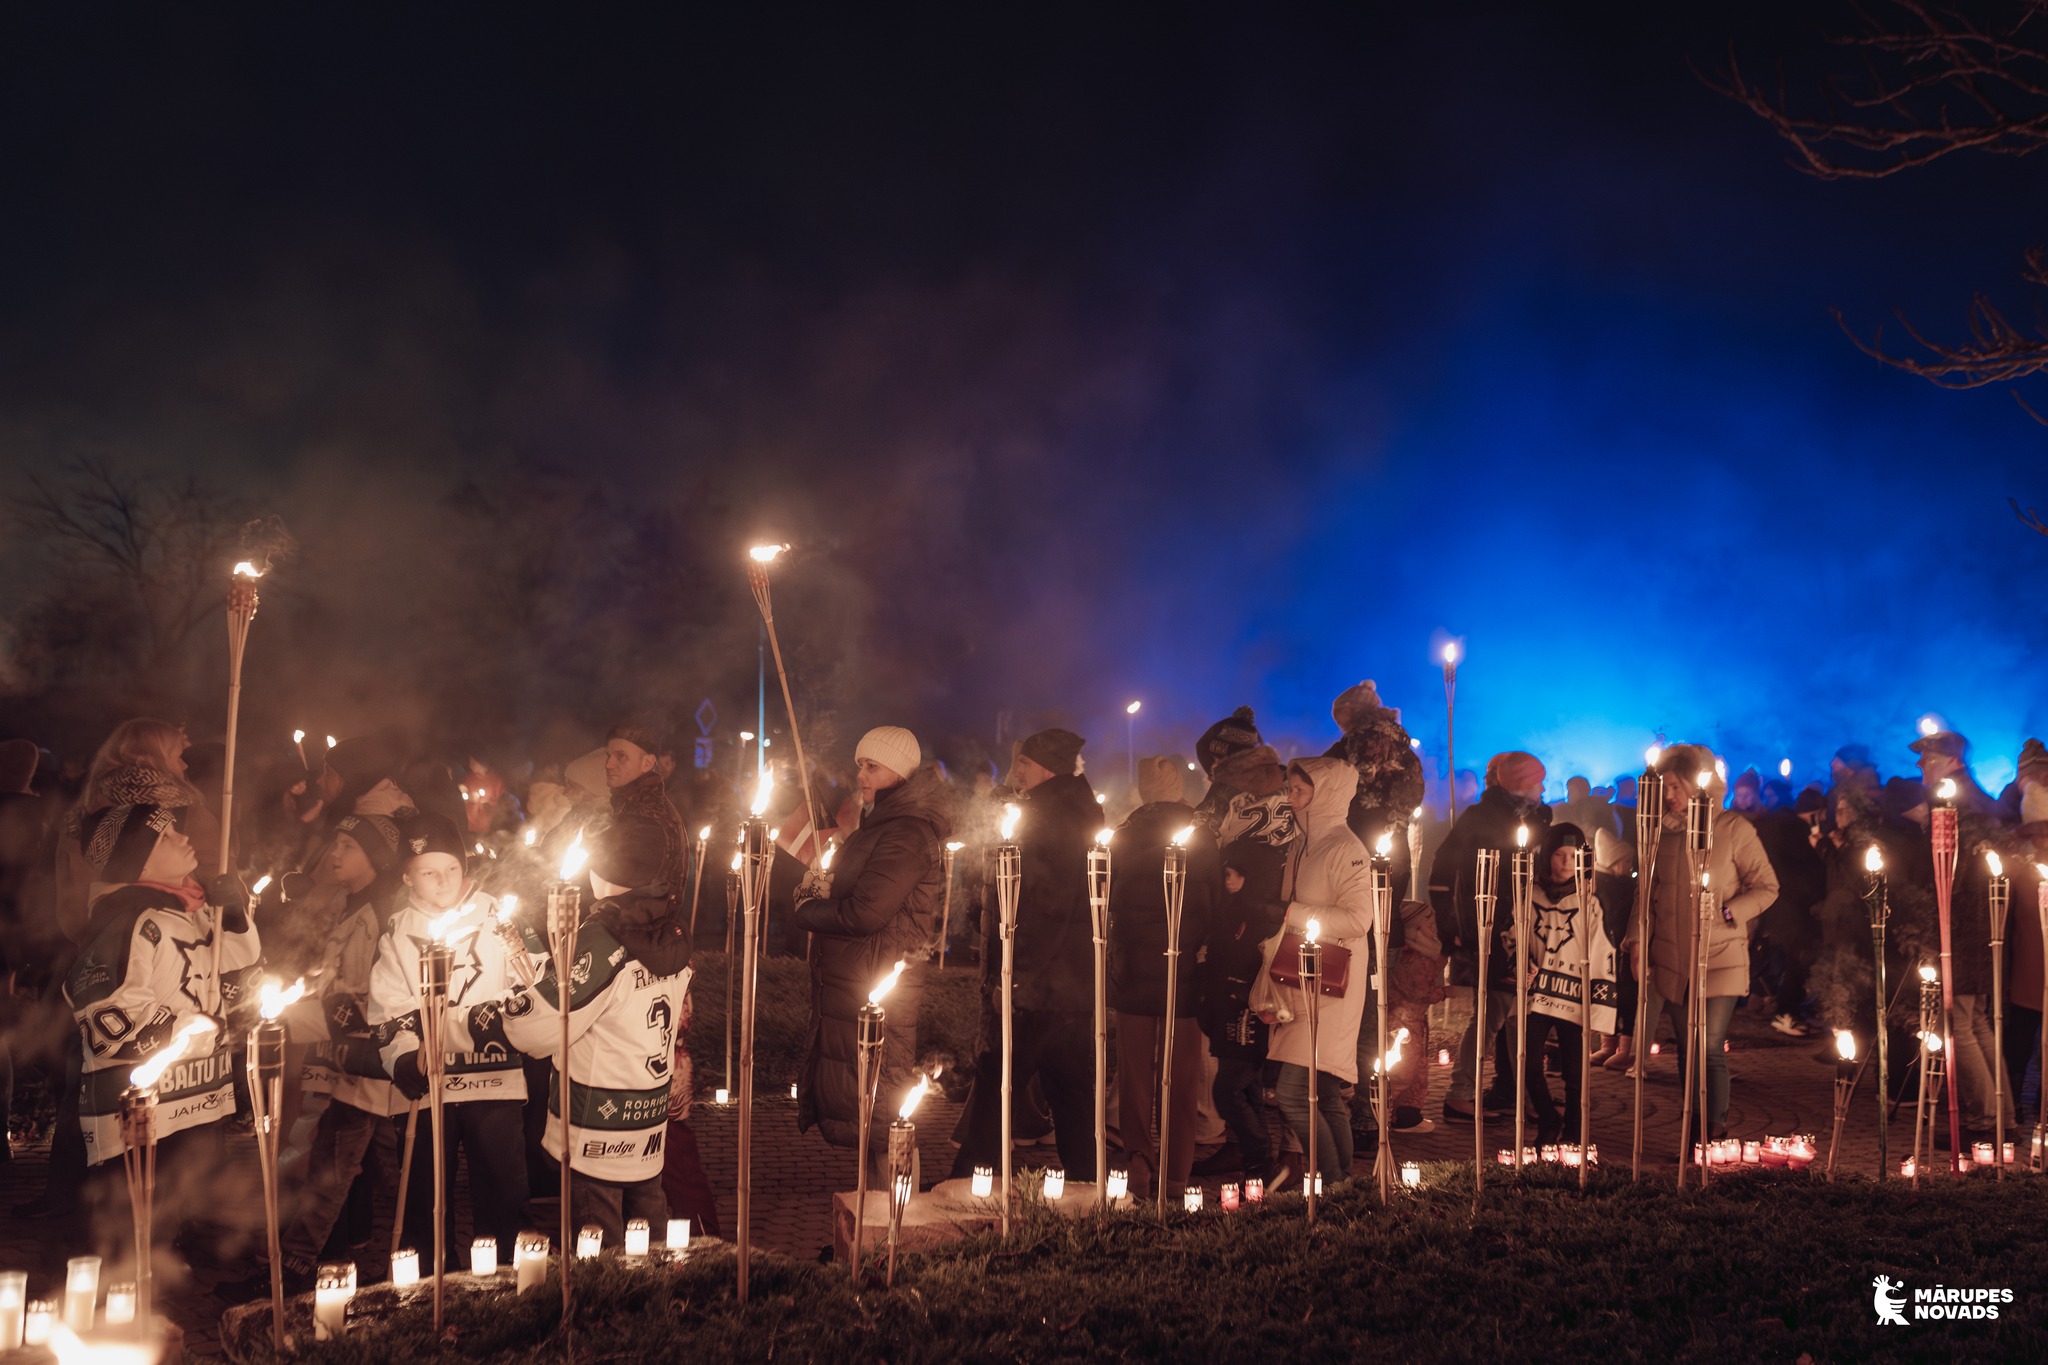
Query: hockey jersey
x,y
624,1021
476,1067
145,971
350,1055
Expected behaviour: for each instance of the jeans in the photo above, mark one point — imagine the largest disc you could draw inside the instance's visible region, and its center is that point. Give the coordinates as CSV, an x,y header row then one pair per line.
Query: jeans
x,y
1057,1046
2022,1041
491,1134
1500,1008
1332,1118
346,1140
1240,1093
609,1203
1976,1051
1720,1010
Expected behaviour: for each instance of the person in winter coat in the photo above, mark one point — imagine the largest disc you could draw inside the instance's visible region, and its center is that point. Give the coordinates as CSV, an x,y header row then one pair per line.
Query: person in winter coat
x,y
1328,881
141,763
145,972
1053,1028
1945,756
1138,971
1389,774
1512,800
483,1086
632,770
1561,933
628,981
1418,983
877,905
1743,885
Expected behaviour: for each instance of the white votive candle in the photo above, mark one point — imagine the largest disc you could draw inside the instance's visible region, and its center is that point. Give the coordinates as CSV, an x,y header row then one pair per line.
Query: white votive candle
x,y
589,1241
13,1305
405,1268
636,1236
985,1182
81,1292
120,1304
1191,1199
720,1095
679,1235
1411,1174
1055,1184
483,1256
1119,1184
333,1287
529,1260
40,1318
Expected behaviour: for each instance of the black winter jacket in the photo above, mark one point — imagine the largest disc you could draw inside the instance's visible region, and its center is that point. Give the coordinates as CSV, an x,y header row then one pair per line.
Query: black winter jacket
x,y
887,881
1489,823
1055,967
1137,909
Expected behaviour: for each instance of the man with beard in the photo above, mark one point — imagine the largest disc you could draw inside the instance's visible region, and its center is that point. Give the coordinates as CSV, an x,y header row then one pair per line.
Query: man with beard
x,y
632,769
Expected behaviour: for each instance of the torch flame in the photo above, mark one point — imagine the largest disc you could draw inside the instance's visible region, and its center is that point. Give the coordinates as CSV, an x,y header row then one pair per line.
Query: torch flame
x,y
573,859
735,862
1011,815
1103,836
1182,835
2041,870
1521,836
1947,790
825,859
1784,767
1651,755
1929,725
763,790
298,736
954,845
1845,1045
910,1101
1384,845
150,1072
276,1002
443,928
1315,930
1927,971
1702,779
1873,859
263,884
245,569
766,554
508,906
887,983
1451,652
332,741
531,837
1933,1040
1997,863
704,834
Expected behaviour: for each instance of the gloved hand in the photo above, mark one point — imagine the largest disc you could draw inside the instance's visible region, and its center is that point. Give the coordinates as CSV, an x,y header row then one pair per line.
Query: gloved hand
x,y
227,892
816,885
407,1076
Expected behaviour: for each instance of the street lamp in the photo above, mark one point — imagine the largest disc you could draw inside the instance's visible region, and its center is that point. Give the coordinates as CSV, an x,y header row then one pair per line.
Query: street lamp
x,y
1131,737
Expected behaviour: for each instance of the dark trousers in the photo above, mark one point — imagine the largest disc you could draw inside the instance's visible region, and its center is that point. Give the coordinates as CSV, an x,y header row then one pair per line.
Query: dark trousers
x,y
2022,1042
684,1182
1058,1047
608,1204
65,1179
194,1187
491,1134
1240,1094
347,1143
1548,1120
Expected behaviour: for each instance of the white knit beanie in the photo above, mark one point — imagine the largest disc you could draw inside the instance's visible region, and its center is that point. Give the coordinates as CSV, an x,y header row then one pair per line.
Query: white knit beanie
x,y
892,746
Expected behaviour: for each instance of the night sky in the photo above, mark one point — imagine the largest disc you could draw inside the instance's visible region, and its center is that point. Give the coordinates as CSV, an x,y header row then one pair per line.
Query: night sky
x,y
1210,356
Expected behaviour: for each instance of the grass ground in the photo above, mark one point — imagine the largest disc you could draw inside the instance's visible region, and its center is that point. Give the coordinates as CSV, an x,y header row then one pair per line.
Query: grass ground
x,y
1766,1266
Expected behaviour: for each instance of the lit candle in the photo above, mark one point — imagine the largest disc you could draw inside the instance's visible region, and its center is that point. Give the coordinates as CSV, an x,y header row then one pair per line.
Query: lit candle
x,y
1191,1199
678,1235
985,1182
1656,1048
1443,1056
1315,1181
792,1089
41,1317
1752,1152
636,1236
405,1268
589,1241
1055,1184
1119,1182
13,1303
1230,1199
1505,1157
81,1292
1548,1152
120,1305
721,1095
1411,1174
529,1261
1254,1191
1983,1153
1592,1154
2010,1153
1906,1168
332,1289
483,1256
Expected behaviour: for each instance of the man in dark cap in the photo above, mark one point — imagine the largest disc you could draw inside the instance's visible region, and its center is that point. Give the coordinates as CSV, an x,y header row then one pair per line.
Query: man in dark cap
x,y
1944,757
632,769
1054,980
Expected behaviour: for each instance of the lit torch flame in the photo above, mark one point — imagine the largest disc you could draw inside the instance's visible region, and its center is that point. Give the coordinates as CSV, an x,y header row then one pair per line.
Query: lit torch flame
x,y
146,1076
704,835
763,790
1521,836
1845,1045
444,928
276,1002
1315,930
1182,835
766,554
263,884
887,983
1133,708
530,837
954,845
1651,755
1702,778
1451,653
332,741
508,906
245,569
825,859
911,1100
1384,845
1947,790
1103,836
1997,863
573,859
298,736
1873,859
735,862
1927,971
1784,767
1011,815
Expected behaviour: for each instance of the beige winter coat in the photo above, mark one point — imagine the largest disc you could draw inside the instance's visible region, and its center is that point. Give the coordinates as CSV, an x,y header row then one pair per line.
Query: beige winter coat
x,y
1743,885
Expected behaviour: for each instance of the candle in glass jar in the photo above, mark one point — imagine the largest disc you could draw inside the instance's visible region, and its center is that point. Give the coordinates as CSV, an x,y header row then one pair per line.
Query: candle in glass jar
x,y
40,1318
984,1183
483,1256
589,1241
1119,1182
13,1304
1752,1152
529,1261
331,1293
678,1235
1906,1168
81,1292
1981,1153
1191,1199
1255,1191
1055,1184
1230,1199
120,1304
720,1095
405,1268
636,1236
1317,1180
1411,1174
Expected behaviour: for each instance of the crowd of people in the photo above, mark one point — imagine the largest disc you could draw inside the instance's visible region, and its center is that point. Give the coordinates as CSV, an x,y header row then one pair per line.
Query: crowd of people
x,y
129,910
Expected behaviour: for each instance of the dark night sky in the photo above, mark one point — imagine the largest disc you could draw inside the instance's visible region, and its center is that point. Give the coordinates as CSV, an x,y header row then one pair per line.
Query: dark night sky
x,y
1213,355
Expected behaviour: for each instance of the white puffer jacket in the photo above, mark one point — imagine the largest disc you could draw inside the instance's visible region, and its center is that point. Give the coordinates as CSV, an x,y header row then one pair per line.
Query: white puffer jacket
x,y
1329,880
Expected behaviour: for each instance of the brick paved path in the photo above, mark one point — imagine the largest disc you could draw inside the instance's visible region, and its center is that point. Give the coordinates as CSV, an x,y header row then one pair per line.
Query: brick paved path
x,y
1780,1085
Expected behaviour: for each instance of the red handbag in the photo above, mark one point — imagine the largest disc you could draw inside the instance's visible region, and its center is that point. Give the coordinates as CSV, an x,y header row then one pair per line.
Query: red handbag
x,y
1286,968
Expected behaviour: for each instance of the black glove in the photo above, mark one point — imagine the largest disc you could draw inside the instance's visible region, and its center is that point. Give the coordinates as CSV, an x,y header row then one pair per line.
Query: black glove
x,y
232,897
407,1076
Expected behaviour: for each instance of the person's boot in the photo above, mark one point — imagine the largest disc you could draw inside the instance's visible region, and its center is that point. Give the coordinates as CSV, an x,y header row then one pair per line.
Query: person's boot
x,y
1608,1042
1623,1056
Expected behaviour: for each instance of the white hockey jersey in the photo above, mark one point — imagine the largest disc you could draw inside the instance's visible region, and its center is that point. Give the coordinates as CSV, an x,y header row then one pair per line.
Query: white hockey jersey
x,y
623,1023
476,1068
145,971
349,1054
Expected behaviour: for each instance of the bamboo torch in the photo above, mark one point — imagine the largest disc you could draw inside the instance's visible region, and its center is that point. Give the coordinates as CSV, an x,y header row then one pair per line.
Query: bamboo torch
x,y
757,853
241,611
436,962
1009,881
1930,1057
1878,899
138,1151
1942,823
1582,878
1098,909
1312,986
1485,899
947,857
697,880
868,1025
565,923
1649,831
1999,892
759,558
266,1102
732,922
1176,887
1382,928
1699,817
903,1166
1845,1087
1521,874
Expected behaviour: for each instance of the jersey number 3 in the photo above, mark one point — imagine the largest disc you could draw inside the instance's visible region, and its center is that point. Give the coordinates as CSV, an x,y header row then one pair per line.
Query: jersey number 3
x,y
661,1019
